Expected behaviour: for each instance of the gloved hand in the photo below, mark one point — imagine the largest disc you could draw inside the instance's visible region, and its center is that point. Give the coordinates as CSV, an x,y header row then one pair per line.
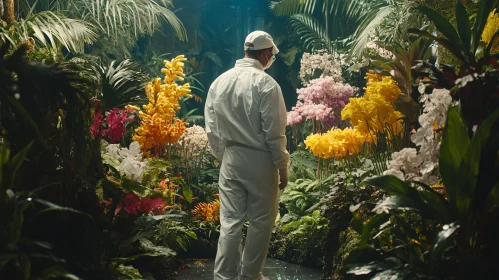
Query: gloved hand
x,y
283,176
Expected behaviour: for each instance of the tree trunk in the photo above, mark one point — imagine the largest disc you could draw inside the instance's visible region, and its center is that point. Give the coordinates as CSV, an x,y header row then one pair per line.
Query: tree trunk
x,y
8,15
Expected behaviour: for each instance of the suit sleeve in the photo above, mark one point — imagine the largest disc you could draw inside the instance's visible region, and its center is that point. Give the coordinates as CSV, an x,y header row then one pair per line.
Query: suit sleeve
x,y
273,118
211,125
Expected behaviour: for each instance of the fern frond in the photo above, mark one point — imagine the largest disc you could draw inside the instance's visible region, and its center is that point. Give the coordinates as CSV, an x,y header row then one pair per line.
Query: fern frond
x,y
312,34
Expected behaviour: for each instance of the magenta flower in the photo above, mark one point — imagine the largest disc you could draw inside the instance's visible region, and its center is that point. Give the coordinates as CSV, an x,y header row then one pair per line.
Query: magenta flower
x,y
95,128
116,124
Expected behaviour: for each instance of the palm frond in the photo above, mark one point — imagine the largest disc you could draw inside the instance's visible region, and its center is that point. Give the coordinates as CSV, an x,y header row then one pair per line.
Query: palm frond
x,y
5,37
123,84
50,29
367,28
351,8
73,34
291,7
138,17
311,32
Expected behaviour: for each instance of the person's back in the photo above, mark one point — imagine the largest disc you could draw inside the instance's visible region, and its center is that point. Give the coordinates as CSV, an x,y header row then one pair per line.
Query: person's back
x,y
245,120
238,96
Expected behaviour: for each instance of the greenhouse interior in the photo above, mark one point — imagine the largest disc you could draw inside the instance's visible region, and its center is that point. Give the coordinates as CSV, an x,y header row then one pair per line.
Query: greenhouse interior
x,y
249,139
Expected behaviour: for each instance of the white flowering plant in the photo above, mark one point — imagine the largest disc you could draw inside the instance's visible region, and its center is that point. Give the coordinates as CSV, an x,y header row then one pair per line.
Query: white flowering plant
x,y
321,64
131,172
128,162
422,164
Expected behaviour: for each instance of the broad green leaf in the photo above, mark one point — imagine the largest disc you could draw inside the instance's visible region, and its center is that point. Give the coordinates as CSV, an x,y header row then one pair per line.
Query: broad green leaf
x,y
480,159
438,203
155,251
455,144
27,118
214,57
307,219
397,202
127,273
373,223
54,207
493,199
442,41
391,274
191,234
390,184
463,26
363,269
18,221
56,272
25,266
130,185
4,159
186,189
444,26
149,221
484,10
16,162
306,162
357,224
444,239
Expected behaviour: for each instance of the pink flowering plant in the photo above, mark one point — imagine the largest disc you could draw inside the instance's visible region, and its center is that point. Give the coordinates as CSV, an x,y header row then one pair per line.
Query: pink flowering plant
x,y
320,103
113,126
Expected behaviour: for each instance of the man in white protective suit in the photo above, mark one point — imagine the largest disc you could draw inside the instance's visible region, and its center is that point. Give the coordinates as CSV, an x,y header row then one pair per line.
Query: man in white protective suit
x,y
246,120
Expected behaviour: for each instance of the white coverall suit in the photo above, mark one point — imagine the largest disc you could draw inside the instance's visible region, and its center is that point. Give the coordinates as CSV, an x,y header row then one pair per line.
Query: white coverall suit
x,y
245,120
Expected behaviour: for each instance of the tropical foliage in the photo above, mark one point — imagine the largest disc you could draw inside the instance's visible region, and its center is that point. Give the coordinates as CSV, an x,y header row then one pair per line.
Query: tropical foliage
x,y
392,128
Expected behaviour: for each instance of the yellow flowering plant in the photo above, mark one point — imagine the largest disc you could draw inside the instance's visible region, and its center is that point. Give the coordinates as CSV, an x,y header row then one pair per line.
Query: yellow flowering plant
x,y
374,111
384,86
374,119
490,29
336,143
159,126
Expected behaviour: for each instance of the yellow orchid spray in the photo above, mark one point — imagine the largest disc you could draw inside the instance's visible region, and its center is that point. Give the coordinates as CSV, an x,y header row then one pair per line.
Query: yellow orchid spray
x,y
158,125
374,111
381,85
490,29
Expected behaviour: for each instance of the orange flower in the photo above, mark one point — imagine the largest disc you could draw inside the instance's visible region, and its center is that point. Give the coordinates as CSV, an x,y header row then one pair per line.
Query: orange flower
x,y
208,212
158,123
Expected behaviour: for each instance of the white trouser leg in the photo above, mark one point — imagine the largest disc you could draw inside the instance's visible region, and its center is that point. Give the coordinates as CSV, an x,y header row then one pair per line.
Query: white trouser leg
x,y
248,188
261,210
232,216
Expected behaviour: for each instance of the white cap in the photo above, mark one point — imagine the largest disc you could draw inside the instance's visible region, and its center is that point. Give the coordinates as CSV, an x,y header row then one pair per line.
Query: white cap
x,y
259,40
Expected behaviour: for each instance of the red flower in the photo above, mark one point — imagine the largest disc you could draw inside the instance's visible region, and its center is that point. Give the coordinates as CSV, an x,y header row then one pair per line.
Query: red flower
x,y
116,122
155,205
95,128
132,203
